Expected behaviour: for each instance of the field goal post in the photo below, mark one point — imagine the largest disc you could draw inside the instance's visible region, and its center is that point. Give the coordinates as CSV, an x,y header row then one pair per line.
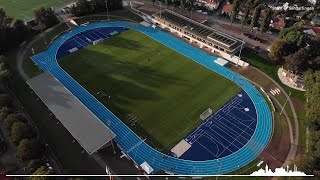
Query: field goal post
x,y
206,114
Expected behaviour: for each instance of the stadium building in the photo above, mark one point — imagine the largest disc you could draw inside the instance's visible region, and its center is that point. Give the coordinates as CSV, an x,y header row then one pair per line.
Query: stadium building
x,y
207,38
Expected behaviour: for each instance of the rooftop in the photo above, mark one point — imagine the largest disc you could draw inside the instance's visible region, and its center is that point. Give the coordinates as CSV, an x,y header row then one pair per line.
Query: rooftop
x,y
212,35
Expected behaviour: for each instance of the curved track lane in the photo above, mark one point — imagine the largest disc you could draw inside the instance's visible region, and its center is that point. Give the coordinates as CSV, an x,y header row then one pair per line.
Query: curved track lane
x,y
130,142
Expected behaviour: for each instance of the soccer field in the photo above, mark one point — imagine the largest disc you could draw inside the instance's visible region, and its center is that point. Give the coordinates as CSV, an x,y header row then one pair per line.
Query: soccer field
x,y
23,9
153,89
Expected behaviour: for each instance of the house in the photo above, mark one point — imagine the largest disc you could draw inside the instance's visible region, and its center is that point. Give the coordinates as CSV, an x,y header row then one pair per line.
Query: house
x,y
277,22
312,30
315,21
227,9
209,4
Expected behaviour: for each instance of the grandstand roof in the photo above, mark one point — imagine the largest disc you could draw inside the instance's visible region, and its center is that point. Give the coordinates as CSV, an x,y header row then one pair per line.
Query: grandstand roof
x,y
84,126
216,37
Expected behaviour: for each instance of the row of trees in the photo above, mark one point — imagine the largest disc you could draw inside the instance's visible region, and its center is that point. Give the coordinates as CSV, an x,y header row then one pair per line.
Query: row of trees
x,y
14,32
295,50
21,135
310,161
85,7
254,20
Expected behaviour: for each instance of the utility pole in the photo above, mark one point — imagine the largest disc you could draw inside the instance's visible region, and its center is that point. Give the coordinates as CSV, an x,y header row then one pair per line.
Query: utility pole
x,y
160,8
241,49
107,9
285,102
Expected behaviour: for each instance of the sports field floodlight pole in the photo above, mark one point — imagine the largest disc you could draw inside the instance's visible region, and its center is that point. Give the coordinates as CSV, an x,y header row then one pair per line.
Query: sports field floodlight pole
x,y
241,50
285,102
107,9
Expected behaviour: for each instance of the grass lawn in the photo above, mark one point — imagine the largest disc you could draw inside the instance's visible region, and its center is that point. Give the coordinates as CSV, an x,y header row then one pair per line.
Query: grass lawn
x,y
23,9
162,90
271,70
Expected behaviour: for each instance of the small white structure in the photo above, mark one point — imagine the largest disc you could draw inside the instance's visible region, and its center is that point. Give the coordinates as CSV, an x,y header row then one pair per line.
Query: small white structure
x,y
146,167
310,32
221,61
181,148
73,50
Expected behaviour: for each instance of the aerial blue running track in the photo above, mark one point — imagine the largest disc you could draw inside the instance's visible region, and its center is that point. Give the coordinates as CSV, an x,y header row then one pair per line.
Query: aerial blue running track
x,y
132,144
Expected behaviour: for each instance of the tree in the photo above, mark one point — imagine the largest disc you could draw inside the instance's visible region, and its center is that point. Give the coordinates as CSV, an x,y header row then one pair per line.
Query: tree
x,y
277,50
5,21
255,17
46,17
256,3
182,3
20,131
5,100
33,165
266,21
28,149
10,120
81,8
298,62
4,112
235,10
4,73
244,18
41,171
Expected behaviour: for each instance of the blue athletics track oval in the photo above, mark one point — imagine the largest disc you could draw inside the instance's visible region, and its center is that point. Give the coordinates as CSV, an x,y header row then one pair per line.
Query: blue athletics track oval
x,y
131,143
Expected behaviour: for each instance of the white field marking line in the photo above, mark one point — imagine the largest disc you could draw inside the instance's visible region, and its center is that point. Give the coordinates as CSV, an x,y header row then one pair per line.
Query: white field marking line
x,y
97,31
233,138
196,90
234,116
88,35
215,134
82,37
227,127
99,36
217,141
222,122
237,141
80,42
215,156
179,136
196,136
241,110
231,131
239,122
215,104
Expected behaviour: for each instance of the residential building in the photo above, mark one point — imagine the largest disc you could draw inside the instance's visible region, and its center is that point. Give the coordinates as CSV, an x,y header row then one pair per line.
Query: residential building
x,y
209,4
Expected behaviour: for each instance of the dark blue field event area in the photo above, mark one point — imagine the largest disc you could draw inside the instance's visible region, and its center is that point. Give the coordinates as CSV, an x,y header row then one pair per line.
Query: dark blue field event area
x,y
224,132
87,38
229,139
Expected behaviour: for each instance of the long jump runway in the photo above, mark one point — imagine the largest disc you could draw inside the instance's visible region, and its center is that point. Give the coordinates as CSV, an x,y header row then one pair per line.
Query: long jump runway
x,y
135,147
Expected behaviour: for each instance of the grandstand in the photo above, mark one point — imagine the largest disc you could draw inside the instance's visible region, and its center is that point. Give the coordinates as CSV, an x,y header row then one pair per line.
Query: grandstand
x,y
206,37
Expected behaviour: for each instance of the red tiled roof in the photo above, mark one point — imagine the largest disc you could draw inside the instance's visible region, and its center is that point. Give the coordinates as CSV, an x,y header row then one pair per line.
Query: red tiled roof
x,y
227,8
316,29
278,21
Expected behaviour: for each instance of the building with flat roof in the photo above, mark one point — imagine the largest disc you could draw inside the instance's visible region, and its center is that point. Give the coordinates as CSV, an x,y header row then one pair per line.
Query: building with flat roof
x,y
206,37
